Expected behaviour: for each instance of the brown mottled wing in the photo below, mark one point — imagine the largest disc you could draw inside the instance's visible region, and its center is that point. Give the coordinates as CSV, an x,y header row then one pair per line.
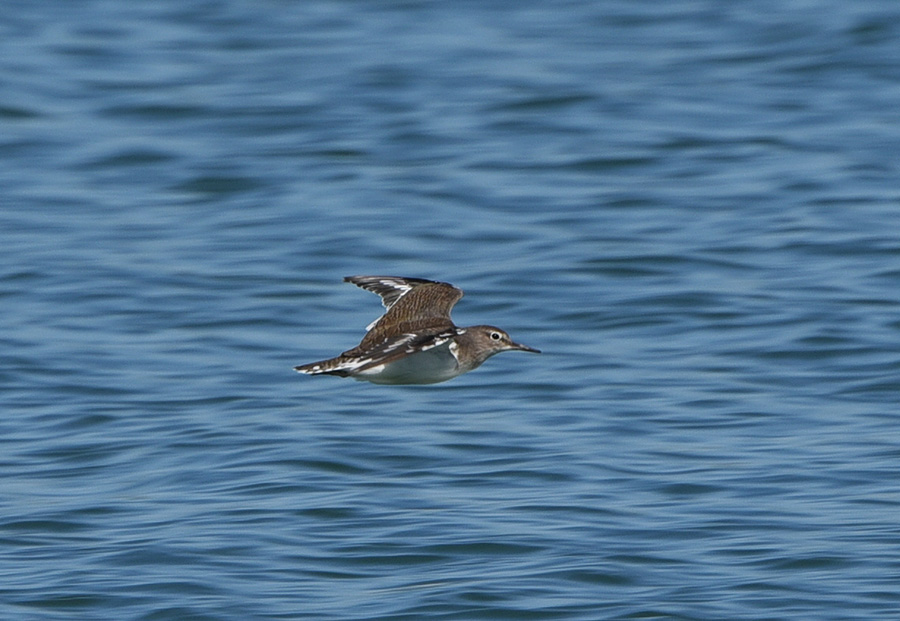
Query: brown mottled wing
x,y
389,288
413,305
358,359
397,347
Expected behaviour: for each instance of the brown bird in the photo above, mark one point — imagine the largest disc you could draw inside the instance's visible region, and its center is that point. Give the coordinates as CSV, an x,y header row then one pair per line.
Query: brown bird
x,y
415,341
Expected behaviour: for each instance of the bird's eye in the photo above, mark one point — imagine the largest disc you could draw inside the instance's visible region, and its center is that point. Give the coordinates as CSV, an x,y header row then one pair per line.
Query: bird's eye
x,y
496,336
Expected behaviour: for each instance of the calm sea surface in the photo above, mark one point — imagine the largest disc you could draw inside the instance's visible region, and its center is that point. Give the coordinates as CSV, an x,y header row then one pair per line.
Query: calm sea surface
x,y
692,207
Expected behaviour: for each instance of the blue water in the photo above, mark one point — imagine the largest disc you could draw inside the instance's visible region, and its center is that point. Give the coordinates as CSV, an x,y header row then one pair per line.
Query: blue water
x,y
692,207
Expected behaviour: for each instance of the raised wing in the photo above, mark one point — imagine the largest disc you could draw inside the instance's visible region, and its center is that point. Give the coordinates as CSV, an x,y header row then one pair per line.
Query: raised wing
x,y
389,288
413,305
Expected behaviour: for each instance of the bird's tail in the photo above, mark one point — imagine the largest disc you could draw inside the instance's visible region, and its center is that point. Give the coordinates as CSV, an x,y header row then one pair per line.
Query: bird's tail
x,y
332,366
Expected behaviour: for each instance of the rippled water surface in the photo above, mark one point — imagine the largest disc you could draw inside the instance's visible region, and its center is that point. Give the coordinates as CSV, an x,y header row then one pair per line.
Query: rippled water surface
x,y
692,208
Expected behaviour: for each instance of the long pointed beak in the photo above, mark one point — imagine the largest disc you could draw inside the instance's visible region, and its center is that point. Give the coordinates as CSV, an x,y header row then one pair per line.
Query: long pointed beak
x,y
521,347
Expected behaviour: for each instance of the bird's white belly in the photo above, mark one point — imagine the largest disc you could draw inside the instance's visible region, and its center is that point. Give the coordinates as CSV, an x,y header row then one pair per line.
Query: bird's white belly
x,y
427,367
